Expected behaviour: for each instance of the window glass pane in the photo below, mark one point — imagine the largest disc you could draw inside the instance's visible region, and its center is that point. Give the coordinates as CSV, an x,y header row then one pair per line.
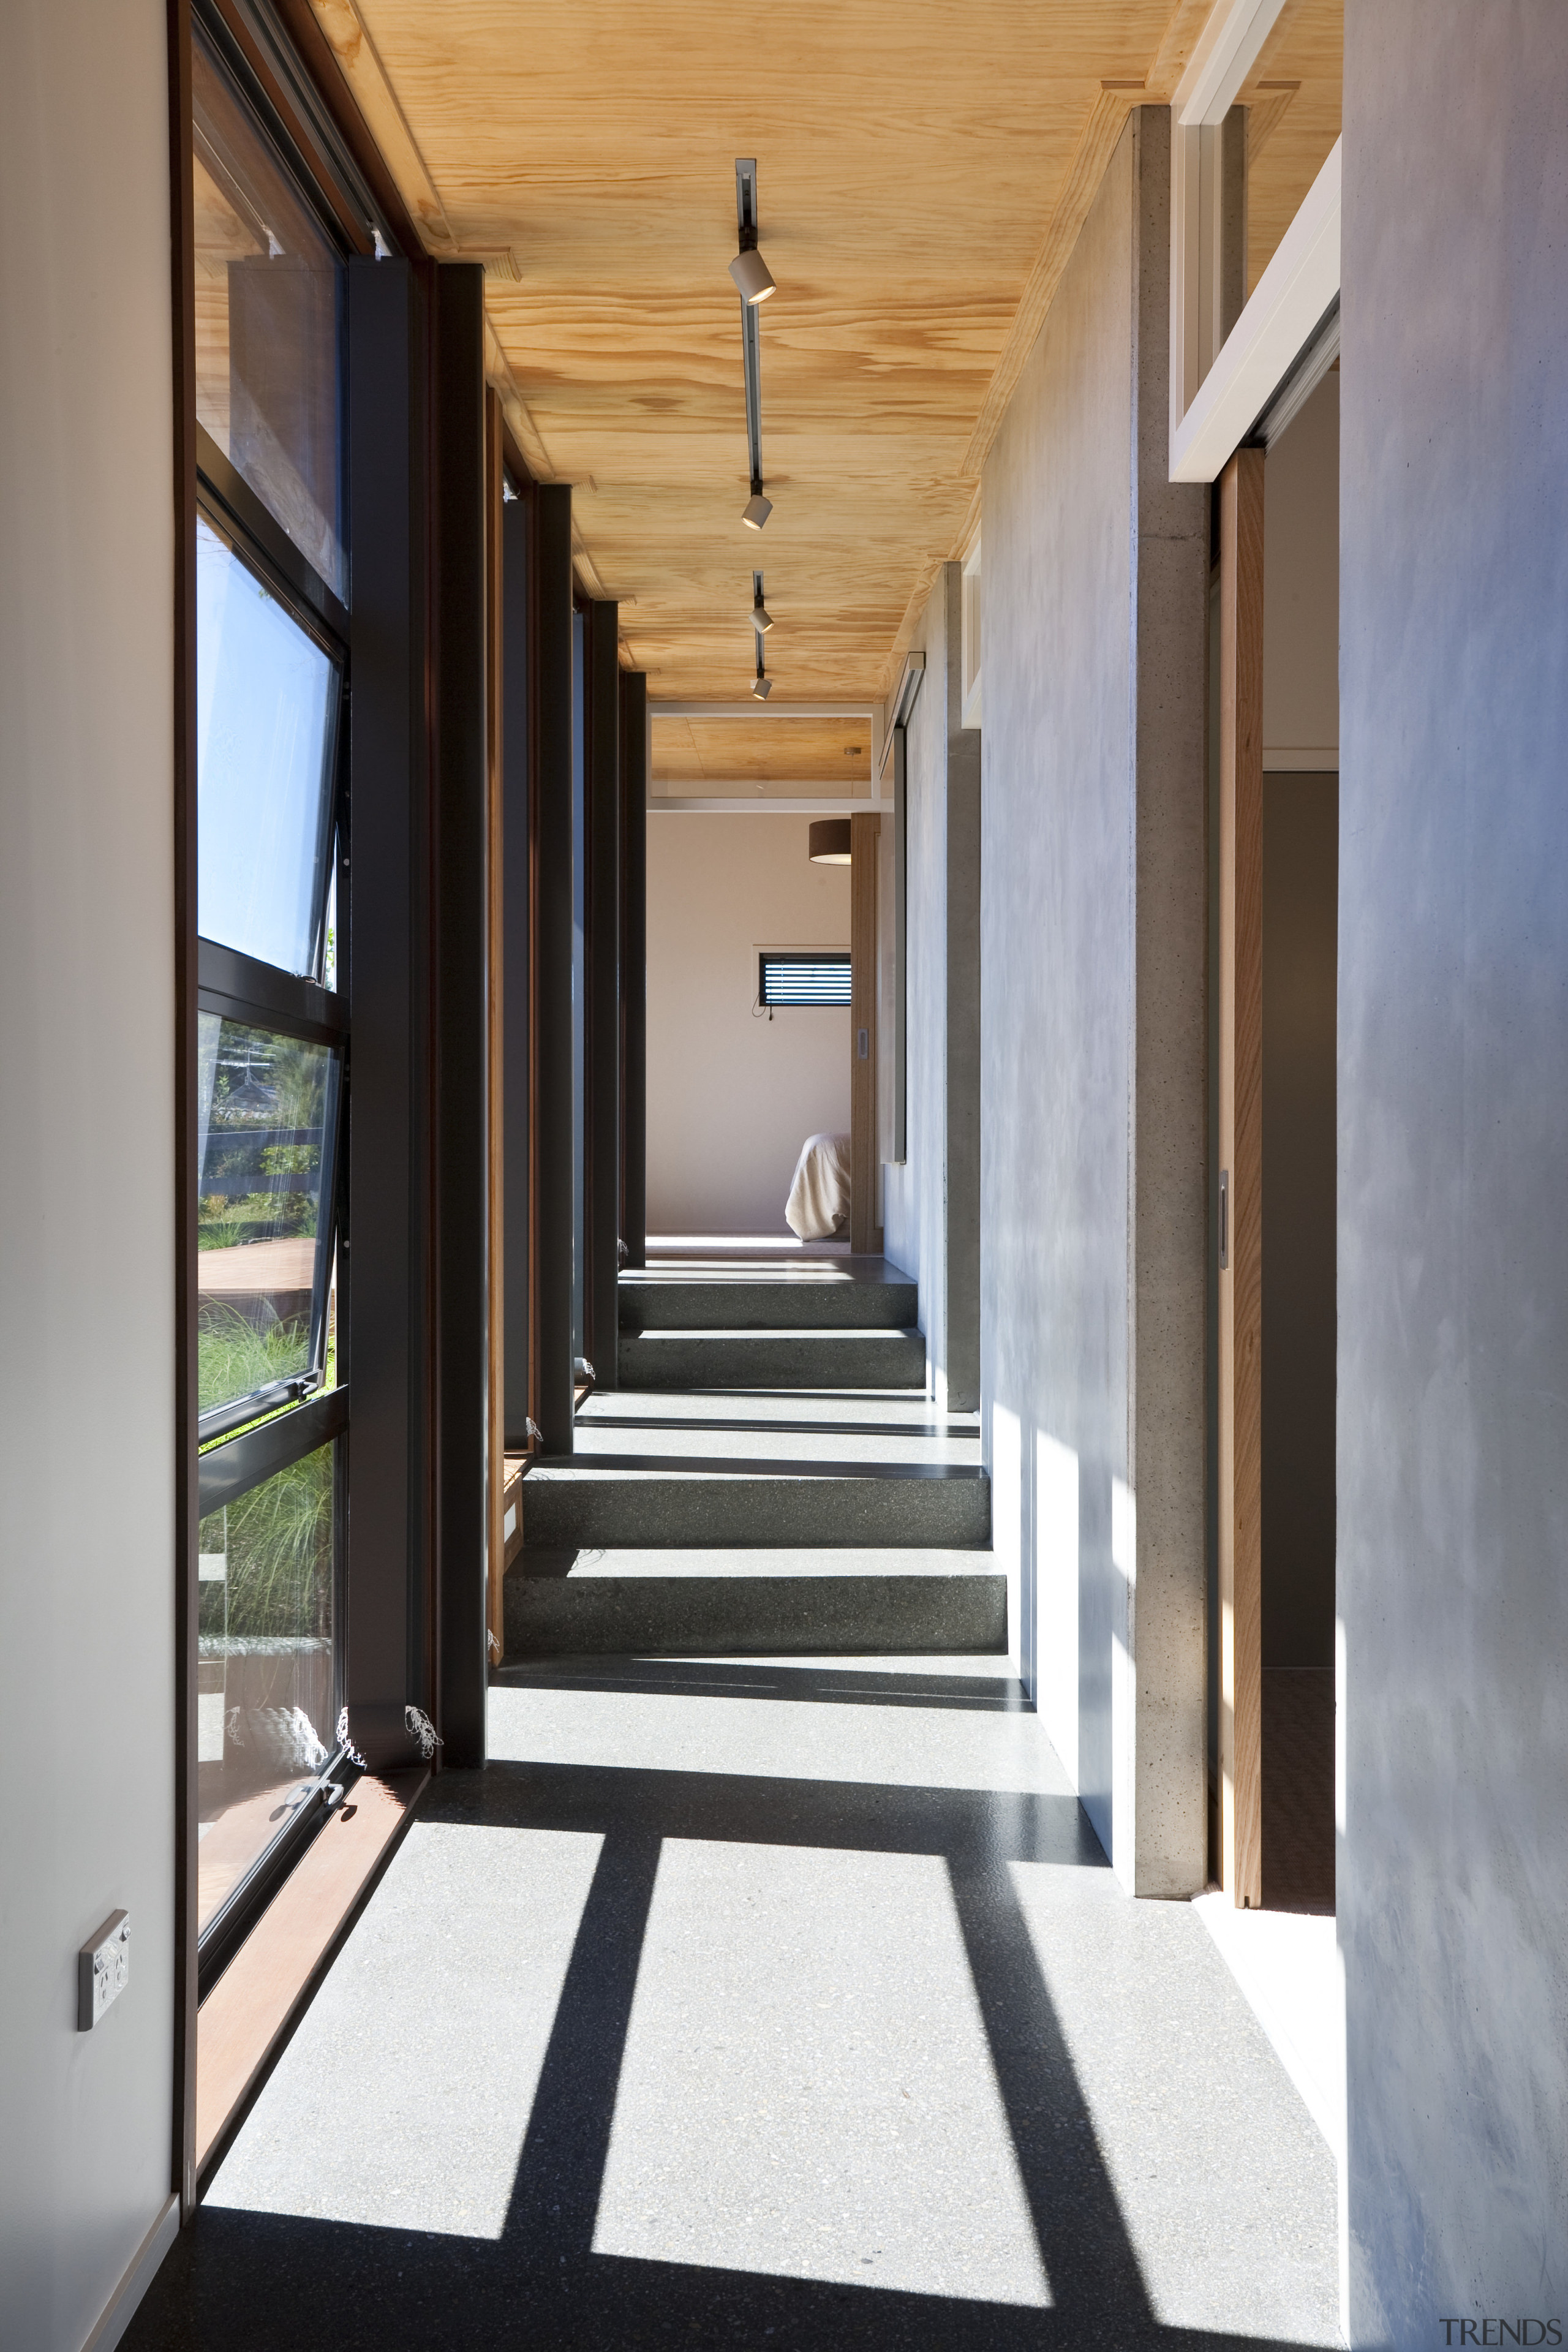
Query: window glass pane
x,y
804,979
267,706
265,1111
269,292
264,1690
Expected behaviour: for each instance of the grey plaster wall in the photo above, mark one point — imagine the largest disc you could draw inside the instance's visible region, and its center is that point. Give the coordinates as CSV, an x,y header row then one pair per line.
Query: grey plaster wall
x,y
1092,1045
931,1201
1453,1134
87,1149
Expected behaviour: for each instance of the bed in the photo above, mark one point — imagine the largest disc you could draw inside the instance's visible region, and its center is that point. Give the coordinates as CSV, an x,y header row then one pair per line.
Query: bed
x,y
818,1205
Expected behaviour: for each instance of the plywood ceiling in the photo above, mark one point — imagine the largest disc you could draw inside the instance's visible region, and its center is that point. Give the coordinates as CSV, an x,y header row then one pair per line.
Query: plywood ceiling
x,y
922,173
696,755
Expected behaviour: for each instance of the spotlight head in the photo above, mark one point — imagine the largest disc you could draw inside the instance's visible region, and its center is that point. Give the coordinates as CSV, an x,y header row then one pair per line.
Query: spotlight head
x,y
761,686
751,275
757,510
762,619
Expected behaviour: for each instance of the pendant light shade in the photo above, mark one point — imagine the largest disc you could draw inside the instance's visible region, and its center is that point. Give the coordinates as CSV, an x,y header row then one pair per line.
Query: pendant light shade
x,y
827,843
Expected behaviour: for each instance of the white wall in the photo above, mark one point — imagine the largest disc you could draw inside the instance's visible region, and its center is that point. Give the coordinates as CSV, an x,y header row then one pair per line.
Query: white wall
x,y
731,1098
86,1146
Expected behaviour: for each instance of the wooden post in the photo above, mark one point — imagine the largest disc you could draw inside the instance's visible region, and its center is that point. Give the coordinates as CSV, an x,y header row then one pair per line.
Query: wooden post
x,y
1240,1077
865,1233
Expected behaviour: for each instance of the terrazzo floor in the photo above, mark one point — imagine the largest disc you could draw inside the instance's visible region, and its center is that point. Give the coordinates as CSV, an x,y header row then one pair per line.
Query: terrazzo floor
x,y
764,2003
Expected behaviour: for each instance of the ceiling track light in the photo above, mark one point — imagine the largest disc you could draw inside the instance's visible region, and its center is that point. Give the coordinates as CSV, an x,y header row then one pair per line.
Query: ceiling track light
x,y
761,685
762,619
757,507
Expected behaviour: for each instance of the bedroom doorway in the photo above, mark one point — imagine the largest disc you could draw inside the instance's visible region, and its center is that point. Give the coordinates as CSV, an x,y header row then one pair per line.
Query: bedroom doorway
x,y
743,1070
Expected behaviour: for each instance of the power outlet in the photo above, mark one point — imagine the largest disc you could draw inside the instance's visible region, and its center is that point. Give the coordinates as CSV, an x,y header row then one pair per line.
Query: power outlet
x,y
102,1969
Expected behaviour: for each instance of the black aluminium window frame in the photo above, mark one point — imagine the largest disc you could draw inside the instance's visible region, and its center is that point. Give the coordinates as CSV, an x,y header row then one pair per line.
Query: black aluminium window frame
x,y
234,1460
783,960
227,1472
239,988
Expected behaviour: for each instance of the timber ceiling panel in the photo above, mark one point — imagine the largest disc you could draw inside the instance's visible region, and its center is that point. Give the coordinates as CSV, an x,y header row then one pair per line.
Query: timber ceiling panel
x,y
916,173
696,755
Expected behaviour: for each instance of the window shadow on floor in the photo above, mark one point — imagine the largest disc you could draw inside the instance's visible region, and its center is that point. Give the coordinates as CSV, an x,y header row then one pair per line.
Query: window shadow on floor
x,y
808,1684
237,2281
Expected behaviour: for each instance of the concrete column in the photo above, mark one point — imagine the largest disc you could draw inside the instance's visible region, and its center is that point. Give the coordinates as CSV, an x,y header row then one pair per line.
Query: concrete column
x,y
931,1201
1169,1120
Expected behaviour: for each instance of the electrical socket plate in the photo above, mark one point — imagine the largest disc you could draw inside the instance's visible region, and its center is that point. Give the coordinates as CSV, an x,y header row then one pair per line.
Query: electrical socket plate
x,y
102,1969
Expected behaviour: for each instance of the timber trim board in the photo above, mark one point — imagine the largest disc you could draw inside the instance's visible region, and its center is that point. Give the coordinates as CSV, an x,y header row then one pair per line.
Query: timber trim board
x,y
249,2019
1241,1085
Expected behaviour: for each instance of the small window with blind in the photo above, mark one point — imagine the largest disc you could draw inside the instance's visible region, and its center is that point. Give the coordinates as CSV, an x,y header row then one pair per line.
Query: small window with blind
x,y
803,977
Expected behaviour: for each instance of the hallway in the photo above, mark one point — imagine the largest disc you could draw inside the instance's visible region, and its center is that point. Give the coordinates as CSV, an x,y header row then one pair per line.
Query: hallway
x,y
776,1999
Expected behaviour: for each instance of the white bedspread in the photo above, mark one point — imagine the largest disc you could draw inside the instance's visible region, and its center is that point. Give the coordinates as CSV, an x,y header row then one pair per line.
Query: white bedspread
x,y
819,1203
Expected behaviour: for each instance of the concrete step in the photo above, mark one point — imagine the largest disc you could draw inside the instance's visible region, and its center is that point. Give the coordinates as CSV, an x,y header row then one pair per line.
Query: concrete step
x,y
896,1602
808,1359
796,1298
590,1500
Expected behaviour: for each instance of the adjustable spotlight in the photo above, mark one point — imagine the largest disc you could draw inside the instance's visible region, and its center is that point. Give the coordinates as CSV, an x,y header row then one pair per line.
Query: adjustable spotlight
x,y
762,619
761,685
750,273
757,509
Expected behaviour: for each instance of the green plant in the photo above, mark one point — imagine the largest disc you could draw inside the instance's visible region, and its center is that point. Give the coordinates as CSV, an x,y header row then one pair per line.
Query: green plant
x,y
278,1545
234,1358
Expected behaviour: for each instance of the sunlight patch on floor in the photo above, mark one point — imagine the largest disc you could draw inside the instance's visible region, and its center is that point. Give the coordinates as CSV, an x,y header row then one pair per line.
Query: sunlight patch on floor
x,y
1223,2185
403,2099
807,2091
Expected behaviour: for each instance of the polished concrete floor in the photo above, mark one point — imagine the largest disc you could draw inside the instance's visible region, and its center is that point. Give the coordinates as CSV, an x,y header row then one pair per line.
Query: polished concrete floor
x,y
764,2003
